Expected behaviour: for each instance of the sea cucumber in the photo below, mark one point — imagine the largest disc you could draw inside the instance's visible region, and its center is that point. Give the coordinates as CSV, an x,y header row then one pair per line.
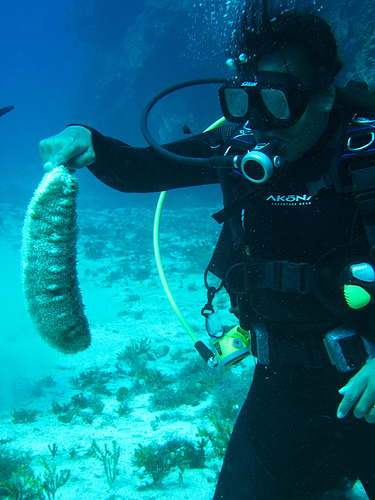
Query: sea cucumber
x,y
49,263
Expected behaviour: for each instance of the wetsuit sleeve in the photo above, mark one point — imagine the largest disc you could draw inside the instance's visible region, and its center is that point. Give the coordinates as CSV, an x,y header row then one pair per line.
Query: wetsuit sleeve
x,y
142,170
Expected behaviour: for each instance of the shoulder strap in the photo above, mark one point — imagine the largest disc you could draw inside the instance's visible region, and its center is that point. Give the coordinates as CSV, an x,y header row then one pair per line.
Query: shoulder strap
x,y
354,172
356,169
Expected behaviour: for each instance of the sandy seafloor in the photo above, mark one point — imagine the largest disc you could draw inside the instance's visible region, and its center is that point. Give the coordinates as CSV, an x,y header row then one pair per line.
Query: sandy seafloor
x,y
124,302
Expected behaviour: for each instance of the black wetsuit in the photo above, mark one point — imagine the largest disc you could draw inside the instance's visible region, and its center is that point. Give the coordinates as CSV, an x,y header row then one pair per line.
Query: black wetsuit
x,y
287,442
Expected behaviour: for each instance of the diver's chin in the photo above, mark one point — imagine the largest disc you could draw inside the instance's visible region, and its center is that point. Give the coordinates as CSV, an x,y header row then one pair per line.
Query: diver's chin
x,y
282,145
265,136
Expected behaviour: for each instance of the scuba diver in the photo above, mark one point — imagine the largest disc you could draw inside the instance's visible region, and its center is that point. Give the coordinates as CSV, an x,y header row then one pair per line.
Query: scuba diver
x,y
296,251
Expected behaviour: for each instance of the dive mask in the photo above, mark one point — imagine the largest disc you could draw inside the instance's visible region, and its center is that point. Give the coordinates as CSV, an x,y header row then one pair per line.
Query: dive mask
x,y
268,100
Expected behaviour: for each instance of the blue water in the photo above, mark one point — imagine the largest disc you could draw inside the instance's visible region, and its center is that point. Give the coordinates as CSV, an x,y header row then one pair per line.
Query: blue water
x,y
40,68
80,62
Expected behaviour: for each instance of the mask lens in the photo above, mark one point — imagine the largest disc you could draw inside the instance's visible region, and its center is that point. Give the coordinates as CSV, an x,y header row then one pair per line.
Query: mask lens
x,y
236,101
276,103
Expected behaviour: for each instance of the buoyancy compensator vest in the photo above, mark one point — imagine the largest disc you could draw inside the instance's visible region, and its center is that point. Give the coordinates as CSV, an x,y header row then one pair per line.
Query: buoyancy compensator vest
x,y
343,279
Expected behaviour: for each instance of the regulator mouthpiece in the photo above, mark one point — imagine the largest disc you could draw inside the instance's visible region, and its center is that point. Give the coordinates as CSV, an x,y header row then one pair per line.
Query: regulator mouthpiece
x,y
258,164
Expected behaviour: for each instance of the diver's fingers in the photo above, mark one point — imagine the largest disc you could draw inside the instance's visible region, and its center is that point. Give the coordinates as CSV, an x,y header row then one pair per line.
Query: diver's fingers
x,y
349,400
370,416
365,403
359,392
73,142
69,150
82,160
52,145
352,391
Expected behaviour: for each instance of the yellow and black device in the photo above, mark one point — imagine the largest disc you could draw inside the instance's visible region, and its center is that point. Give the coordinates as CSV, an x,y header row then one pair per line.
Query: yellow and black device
x,y
231,343
233,346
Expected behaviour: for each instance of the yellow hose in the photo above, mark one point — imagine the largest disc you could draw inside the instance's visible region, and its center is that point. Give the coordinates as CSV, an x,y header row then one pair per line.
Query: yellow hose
x,y
159,266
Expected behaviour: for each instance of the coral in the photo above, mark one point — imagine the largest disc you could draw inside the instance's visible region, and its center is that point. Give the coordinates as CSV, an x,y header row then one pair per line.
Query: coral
x,y
17,480
79,401
66,418
10,462
53,480
130,353
167,398
96,405
158,461
23,416
122,394
79,405
94,380
136,356
53,449
22,485
219,438
154,379
108,458
123,409
57,409
50,282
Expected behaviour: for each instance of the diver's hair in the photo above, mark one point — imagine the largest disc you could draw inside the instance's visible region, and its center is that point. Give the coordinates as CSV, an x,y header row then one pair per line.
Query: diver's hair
x,y
267,25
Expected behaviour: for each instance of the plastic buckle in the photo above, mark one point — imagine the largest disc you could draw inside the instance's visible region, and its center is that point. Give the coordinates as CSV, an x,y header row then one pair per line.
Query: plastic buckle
x,y
292,277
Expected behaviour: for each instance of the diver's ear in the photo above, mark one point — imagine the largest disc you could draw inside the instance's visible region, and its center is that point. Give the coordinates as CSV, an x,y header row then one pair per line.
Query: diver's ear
x,y
327,98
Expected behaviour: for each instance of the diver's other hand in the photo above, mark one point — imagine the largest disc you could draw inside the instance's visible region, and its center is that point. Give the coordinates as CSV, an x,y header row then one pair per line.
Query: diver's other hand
x,y
72,147
360,388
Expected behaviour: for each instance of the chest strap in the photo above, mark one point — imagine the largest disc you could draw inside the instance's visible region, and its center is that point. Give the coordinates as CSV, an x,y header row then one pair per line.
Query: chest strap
x,y
278,275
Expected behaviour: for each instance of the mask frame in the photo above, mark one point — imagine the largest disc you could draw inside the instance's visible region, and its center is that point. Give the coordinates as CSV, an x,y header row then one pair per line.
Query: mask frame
x,y
257,97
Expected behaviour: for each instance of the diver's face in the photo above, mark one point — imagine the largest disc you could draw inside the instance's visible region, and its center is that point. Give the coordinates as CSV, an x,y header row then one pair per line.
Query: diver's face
x,y
299,138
